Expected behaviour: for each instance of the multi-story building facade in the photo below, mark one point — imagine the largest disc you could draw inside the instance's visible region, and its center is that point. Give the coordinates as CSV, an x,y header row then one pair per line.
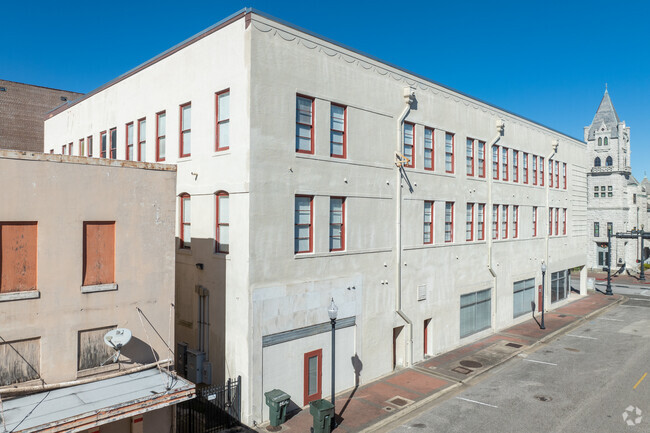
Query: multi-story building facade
x,y
22,110
309,171
83,252
616,200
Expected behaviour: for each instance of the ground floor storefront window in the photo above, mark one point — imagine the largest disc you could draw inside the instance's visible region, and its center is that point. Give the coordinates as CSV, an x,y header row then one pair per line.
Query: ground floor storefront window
x,y
523,295
559,285
475,312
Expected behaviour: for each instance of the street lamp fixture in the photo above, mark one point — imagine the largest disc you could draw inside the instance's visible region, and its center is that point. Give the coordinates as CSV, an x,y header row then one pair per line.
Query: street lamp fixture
x,y
541,326
332,312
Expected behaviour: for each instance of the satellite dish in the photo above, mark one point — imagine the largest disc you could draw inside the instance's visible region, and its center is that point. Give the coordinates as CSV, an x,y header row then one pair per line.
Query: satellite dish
x,y
116,338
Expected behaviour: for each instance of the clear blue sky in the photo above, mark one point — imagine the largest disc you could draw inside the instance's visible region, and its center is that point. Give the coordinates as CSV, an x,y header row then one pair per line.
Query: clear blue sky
x,y
548,61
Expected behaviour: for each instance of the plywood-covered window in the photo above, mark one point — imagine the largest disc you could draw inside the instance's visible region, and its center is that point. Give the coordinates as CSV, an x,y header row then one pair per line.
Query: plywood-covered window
x,y
18,245
99,253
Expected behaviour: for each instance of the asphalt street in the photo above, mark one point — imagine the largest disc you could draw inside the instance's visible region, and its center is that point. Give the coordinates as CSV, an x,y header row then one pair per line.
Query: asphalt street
x,y
594,378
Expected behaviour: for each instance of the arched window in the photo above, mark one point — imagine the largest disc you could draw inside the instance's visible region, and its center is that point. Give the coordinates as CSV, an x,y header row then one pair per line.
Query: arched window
x,y
222,235
605,143
186,221
609,161
597,162
600,141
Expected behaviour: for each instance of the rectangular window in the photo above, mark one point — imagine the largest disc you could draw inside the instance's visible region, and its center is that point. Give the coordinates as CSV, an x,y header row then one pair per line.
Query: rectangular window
x,y
64,149
338,139
515,166
534,169
102,144
557,220
303,224
550,174
82,149
609,191
515,221
449,152
480,219
18,255
428,222
559,286
595,191
449,221
534,221
523,297
557,174
142,140
504,163
495,221
481,159
564,221
161,134
525,166
70,152
596,229
495,162
602,191
428,149
185,146
52,151
186,221
550,221
475,312
337,223
504,221
99,253
129,142
313,371
469,224
89,141
222,133
409,144
564,174
470,157
113,132
304,124
223,223
541,171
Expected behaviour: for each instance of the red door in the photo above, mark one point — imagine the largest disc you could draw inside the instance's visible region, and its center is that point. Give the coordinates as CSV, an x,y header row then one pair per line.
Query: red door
x,y
313,367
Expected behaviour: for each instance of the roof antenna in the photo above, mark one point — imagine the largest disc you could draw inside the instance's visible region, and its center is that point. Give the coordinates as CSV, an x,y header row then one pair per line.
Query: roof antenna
x,y
605,87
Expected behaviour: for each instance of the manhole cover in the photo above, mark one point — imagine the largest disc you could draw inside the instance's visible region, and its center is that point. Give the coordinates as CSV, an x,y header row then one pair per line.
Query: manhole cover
x,y
571,349
470,363
398,401
543,398
515,345
419,425
461,370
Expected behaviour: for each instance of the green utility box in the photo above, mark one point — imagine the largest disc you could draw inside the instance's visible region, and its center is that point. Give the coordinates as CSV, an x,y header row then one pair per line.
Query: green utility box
x,y
277,401
323,413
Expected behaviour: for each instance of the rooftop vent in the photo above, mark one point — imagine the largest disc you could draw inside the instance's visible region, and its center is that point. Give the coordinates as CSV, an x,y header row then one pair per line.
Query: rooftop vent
x,y
63,98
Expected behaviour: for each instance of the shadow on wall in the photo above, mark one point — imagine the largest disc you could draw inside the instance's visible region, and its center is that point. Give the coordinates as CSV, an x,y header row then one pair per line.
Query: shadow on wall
x,y
140,352
198,267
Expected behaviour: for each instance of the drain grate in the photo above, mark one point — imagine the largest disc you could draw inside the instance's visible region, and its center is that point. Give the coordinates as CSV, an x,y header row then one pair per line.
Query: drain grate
x,y
461,370
571,349
470,363
399,401
515,345
389,409
543,398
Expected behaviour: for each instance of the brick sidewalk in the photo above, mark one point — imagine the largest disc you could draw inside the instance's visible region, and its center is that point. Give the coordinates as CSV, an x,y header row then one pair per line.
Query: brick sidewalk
x,y
623,278
376,403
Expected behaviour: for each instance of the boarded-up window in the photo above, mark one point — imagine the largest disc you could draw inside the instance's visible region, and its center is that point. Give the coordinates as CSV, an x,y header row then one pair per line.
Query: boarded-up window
x,y
92,350
17,257
99,253
19,361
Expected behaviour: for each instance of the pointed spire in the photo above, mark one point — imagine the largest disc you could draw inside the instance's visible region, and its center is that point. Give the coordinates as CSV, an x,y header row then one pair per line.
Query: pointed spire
x,y
605,114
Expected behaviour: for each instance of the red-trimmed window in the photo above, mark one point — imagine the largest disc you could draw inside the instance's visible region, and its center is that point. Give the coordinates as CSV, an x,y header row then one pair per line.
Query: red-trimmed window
x,y
495,221
409,144
557,174
222,235
142,139
18,250
304,124
504,221
470,157
64,149
89,142
480,222
481,159
534,169
550,173
515,221
449,221
449,152
161,135
103,144
303,224
185,126
550,221
313,372
534,221
557,220
337,223
504,163
564,221
129,142
113,135
515,165
338,136
70,149
541,171
429,154
186,221
525,166
51,151
222,133
82,149
469,223
564,174
495,162
428,222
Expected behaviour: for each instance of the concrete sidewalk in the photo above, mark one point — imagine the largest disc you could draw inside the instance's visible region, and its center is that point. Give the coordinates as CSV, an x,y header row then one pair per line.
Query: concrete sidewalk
x,y
375,404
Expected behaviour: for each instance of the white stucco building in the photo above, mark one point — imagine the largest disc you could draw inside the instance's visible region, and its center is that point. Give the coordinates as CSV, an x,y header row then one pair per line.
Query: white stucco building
x,y
289,149
615,198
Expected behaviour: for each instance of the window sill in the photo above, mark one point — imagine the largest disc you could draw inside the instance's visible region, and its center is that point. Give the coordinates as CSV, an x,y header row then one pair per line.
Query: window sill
x,y
99,288
223,152
17,296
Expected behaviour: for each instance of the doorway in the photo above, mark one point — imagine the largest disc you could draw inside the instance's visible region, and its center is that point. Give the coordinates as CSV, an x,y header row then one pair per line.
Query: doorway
x,y
398,349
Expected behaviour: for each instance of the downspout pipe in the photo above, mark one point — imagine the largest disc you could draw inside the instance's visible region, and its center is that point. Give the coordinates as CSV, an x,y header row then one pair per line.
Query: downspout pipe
x,y
500,127
409,97
554,144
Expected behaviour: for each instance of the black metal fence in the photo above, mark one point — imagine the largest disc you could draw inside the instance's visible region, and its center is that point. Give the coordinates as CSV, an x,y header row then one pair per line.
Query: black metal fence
x,y
215,408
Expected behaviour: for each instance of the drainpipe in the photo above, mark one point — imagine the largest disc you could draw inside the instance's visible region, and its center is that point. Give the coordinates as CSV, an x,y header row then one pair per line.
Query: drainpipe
x,y
200,315
554,144
500,126
207,325
409,97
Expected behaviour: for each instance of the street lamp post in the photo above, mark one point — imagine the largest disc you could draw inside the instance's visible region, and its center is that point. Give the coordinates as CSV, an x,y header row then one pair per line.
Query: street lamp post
x,y
609,260
543,293
642,276
332,311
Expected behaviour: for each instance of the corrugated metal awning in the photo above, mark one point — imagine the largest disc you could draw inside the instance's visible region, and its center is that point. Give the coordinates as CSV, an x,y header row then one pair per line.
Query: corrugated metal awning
x,y
81,407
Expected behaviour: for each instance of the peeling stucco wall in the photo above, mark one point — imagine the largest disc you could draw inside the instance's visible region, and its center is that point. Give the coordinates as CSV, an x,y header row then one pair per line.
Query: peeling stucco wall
x,y
20,361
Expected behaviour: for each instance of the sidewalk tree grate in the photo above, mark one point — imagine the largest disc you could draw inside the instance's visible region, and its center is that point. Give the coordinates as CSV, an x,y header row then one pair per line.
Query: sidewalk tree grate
x,y
461,370
470,363
515,345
